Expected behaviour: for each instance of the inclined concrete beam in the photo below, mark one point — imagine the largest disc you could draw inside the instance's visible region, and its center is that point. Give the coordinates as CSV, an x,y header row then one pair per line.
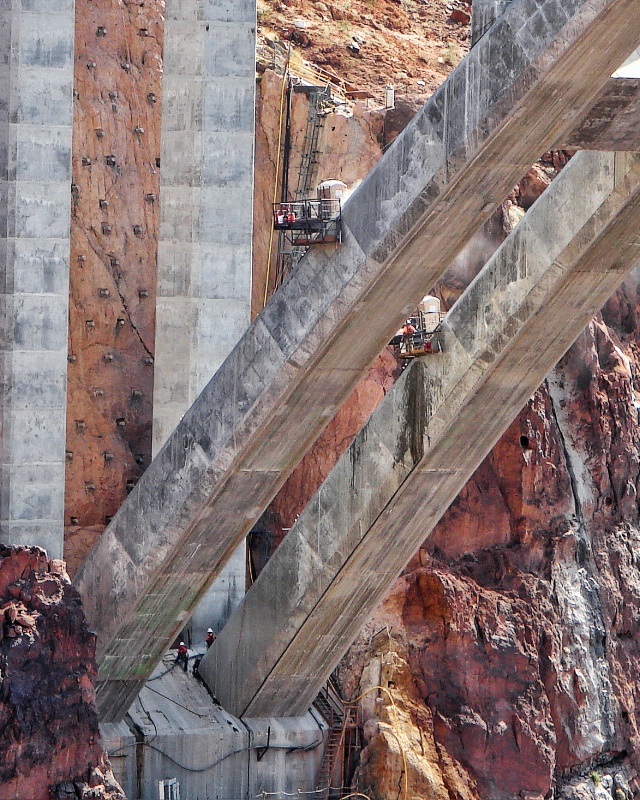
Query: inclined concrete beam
x,y
483,14
36,114
611,124
427,437
523,85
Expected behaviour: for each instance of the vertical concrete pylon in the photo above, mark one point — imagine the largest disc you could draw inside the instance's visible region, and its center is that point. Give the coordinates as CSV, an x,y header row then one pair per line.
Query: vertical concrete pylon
x,y
206,212
206,199
36,98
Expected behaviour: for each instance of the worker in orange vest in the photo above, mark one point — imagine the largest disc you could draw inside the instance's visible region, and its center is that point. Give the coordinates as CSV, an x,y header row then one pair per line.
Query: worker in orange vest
x,y
407,335
209,638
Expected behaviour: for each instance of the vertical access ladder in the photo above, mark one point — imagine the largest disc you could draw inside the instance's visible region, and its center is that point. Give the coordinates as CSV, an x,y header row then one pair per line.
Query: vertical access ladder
x,y
342,742
319,98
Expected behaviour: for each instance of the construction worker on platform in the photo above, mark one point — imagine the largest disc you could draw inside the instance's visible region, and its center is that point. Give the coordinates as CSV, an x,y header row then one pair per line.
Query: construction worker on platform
x,y
407,335
210,637
182,656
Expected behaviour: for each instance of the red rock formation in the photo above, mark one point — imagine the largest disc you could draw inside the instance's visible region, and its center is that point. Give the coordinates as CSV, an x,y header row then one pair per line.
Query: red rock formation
x,y
49,736
309,475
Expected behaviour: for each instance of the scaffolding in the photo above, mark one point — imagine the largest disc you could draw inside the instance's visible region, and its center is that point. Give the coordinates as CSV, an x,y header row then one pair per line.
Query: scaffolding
x,y
302,221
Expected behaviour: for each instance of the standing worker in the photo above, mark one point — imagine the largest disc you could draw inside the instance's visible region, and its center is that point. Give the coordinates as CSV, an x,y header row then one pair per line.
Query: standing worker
x,y
407,335
210,637
183,656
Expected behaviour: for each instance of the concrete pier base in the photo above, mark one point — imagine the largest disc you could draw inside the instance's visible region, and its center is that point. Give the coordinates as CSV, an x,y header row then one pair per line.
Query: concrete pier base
x,y
176,732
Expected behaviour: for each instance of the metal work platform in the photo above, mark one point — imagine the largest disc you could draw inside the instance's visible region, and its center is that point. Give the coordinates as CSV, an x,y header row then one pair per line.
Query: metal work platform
x,y
309,222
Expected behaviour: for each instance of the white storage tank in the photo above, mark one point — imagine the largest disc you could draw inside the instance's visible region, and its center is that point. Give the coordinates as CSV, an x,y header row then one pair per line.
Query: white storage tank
x,y
429,308
331,190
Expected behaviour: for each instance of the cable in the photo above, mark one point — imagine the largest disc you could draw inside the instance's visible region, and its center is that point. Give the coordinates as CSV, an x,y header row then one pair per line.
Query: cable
x,y
299,792
113,753
171,700
166,672
177,763
149,717
285,78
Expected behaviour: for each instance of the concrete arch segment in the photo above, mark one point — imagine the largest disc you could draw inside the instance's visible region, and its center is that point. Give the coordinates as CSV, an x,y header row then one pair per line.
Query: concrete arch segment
x,y
286,377
427,437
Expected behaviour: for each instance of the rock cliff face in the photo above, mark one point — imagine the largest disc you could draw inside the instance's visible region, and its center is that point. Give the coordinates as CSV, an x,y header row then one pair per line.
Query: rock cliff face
x,y
48,722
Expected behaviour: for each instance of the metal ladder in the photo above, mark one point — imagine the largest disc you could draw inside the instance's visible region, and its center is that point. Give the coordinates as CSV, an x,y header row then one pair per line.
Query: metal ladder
x,y
340,718
319,97
315,123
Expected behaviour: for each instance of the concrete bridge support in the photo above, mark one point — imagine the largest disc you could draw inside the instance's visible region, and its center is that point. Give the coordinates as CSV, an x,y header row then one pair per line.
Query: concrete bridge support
x,y
206,228
427,437
206,199
483,14
286,377
36,88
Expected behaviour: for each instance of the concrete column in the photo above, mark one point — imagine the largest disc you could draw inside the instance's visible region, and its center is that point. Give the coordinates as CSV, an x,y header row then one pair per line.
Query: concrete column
x,y
206,199
206,214
36,96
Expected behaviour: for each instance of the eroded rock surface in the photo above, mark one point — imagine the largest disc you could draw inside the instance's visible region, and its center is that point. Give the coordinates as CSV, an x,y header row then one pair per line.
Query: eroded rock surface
x,y
49,739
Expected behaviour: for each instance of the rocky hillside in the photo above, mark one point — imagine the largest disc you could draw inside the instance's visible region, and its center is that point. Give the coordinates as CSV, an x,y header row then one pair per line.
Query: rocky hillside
x,y
49,738
370,43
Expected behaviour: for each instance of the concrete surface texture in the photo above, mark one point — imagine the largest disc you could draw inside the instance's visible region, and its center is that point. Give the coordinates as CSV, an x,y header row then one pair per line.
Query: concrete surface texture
x,y
286,377
611,122
483,14
36,86
203,303
221,599
427,437
176,731
206,199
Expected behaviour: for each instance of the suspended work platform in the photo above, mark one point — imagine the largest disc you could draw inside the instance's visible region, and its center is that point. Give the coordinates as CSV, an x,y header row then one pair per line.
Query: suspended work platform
x,y
422,333
309,222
